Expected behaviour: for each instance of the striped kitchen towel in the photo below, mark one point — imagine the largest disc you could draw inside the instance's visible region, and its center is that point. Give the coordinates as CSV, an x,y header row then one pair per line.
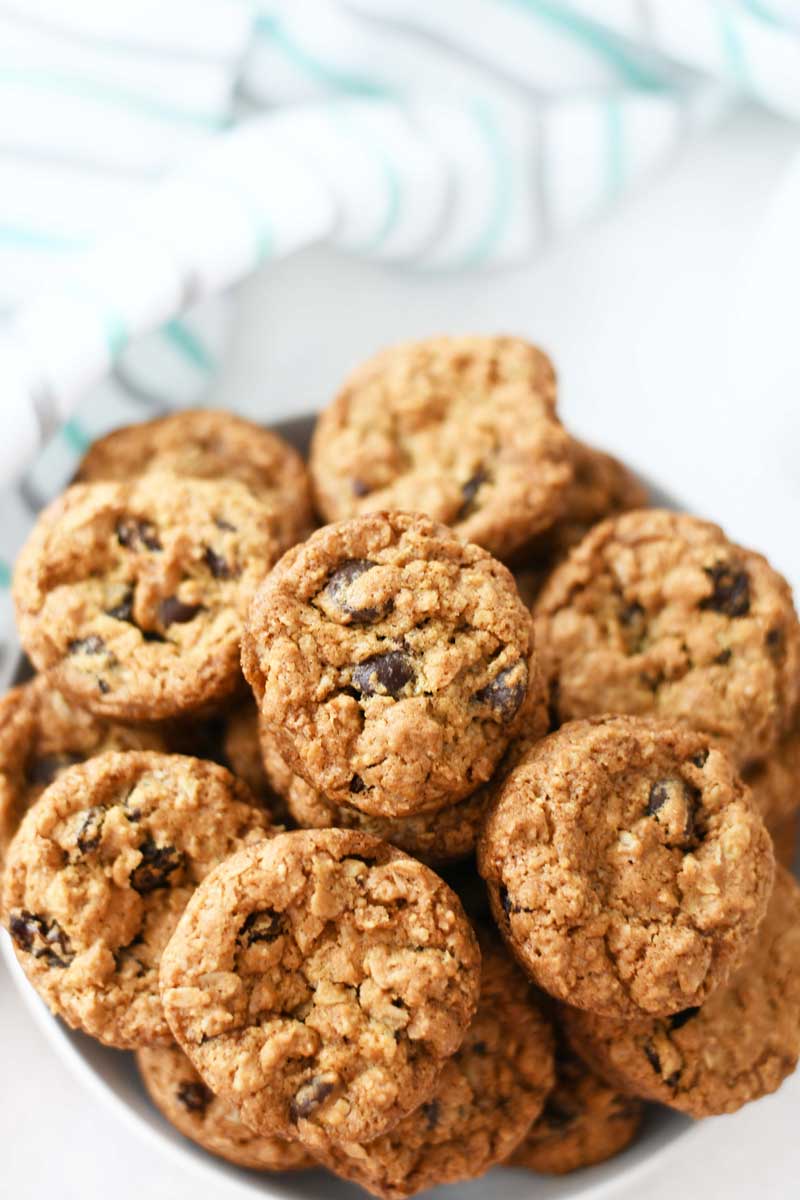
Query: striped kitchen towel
x,y
153,155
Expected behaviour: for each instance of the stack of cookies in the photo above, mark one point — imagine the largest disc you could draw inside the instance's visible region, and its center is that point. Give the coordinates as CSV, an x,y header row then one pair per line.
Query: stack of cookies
x,y
375,866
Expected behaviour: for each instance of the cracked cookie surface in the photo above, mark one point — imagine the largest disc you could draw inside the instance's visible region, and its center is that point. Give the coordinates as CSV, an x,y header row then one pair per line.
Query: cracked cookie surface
x,y
392,663
487,1095
208,444
657,613
99,873
626,865
443,836
41,734
134,594
319,982
463,429
584,1121
741,1044
178,1091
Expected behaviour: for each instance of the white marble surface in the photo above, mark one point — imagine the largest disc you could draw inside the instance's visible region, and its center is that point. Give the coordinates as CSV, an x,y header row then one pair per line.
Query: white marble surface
x,y
637,312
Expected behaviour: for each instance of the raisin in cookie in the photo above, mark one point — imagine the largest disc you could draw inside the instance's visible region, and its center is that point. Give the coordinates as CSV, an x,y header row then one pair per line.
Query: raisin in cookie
x,y
41,734
319,982
658,613
626,865
100,871
584,1121
178,1091
444,836
206,444
488,1094
741,1044
391,662
134,593
463,429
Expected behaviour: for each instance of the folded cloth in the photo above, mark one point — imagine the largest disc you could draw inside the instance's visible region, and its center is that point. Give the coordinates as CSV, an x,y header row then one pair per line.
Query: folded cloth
x,y
152,155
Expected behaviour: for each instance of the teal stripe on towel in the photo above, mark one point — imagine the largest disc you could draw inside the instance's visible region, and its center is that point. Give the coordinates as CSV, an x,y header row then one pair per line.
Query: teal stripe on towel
x,y
189,345
595,38
38,239
503,183
75,436
322,72
5,575
732,48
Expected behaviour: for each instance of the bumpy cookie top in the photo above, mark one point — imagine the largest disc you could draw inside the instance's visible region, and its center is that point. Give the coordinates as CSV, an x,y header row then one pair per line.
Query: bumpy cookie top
x,y
41,734
657,612
206,444
439,837
461,428
100,871
391,662
319,981
626,865
487,1096
584,1121
179,1092
134,593
741,1044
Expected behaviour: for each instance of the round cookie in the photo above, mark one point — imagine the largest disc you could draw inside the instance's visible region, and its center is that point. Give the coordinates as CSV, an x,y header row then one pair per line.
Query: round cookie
x,y
41,734
444,836
319,982
584,1121
100,871
626,865
741,1044
135,593
488,1094
180,1094
461,428
657,613
208,444
774,781
601,487
391,663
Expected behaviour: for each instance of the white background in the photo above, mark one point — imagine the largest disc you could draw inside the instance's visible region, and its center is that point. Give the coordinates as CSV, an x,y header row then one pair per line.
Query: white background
x,y
662,339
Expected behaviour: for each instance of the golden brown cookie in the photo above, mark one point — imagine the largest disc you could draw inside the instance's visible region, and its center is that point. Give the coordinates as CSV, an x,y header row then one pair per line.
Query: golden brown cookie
x,y
319,982
626,865
434,838
784,840
488,1094
774,781
100,871
178,1091
584,1121
391,663
135,593
208,444
42,733
657,613
461,428
741,1044
601,487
